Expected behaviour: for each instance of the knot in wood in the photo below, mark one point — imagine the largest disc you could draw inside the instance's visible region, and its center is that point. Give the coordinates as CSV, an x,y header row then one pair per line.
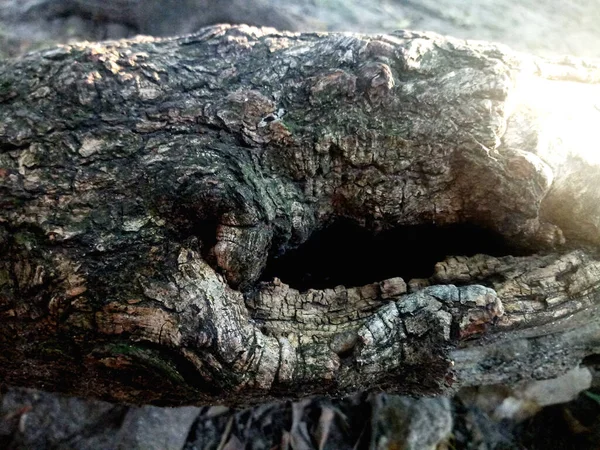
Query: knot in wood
x,y
332,85
376,79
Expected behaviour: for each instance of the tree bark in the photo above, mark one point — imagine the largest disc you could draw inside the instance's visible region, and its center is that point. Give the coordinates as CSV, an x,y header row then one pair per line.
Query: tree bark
x,y
158,194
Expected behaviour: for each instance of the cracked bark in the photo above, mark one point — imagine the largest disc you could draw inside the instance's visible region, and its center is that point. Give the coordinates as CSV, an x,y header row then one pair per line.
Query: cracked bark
x,y
148,185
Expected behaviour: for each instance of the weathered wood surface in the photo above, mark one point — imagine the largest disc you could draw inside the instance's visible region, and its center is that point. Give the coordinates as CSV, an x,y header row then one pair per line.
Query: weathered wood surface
x,y
146,187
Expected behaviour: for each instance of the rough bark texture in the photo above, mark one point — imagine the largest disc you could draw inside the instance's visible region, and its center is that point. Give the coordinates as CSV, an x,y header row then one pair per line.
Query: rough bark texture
x,y
148,185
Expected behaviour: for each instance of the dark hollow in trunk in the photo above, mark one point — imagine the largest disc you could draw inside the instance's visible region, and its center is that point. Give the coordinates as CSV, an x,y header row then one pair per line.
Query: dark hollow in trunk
x,y
346,253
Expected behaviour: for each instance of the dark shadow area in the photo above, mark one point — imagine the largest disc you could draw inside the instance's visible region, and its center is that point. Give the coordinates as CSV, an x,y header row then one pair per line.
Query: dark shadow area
x,y
573,425
350,255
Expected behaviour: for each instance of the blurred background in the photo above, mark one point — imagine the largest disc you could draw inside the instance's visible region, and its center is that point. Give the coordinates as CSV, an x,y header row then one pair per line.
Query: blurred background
x,y
547,27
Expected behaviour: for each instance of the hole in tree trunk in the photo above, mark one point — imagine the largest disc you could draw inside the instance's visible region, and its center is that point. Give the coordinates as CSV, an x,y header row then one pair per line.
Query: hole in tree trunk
x,y
350,255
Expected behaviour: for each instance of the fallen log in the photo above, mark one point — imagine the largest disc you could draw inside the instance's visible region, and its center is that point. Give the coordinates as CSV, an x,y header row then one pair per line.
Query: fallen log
x,y
241,215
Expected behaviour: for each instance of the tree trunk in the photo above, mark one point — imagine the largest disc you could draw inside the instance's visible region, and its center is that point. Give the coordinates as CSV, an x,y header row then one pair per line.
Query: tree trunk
x,y
242,215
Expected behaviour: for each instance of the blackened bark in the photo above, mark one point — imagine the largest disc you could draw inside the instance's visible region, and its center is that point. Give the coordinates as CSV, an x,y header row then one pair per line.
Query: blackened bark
x,y
148,186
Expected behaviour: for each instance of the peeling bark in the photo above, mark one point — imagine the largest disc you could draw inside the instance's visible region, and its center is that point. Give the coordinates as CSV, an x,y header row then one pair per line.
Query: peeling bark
x,y
147,186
